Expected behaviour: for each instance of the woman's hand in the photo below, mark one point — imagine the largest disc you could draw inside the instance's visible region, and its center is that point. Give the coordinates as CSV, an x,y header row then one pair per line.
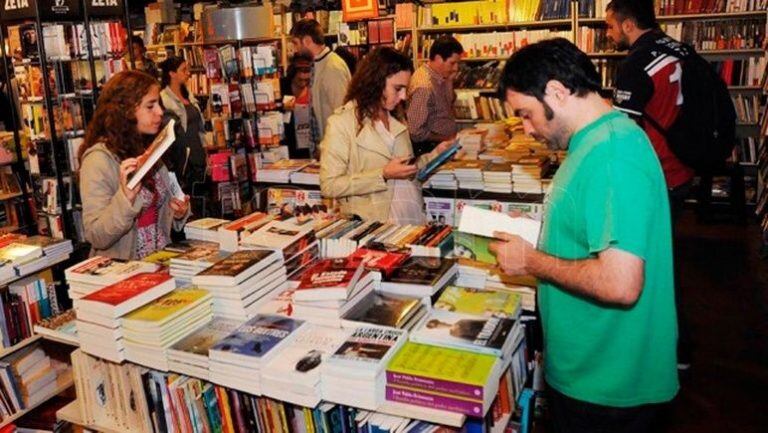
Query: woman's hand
x,y
445,145
127,167
399,169
179,207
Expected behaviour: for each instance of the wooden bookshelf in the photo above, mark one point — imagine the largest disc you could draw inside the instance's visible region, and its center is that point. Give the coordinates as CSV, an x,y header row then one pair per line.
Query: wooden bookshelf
x,y
71,413
65,383
499,26
20,345
688,17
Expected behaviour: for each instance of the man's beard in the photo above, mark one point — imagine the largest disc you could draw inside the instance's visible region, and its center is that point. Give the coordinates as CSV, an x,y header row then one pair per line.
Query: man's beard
x,y
559,135
623,43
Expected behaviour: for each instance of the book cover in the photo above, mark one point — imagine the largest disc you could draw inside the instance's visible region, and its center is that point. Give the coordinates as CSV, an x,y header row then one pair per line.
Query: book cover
x,y
368,345
380,309
258,336
434,401
445,328
147,160
425,271
127,289
304,354
473,247
384,261
200,341
329,274
168,306
237,263
479,302
441,369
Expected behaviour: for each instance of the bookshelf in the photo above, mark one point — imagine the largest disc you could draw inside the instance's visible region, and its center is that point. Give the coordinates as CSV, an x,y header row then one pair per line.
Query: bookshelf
x,y
64,383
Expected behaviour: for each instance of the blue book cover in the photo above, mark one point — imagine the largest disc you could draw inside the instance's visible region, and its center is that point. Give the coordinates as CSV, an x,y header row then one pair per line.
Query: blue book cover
x,y
256,337
439,160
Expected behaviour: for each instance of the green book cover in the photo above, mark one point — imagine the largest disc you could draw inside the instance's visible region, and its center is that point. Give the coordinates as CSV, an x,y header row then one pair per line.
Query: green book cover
x,y
442,363
479,302
473,247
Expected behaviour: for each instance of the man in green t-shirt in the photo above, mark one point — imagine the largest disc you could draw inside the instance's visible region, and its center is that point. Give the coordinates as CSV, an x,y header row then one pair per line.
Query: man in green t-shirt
x,y
604,260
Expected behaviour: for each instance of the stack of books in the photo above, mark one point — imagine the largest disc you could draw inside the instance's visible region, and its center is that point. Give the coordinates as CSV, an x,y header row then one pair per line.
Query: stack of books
x,y
497,177
149,331
330,288
280,171
419,375
98,272
190,354
384,262
204,229
287,236
28,377
231,233
242,281
344,236
420,277
491,335
309,175
198,257
54,250
472,141
244,352
98,314
527,173
388,311
354,374
20,255
469,173
294,376
480,302
444,177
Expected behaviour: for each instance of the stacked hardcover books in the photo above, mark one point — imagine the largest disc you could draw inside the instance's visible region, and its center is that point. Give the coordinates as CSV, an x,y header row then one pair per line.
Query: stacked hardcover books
x,y
497,177
354,374
195,257
204,229
420,276
190,354
98,314
149,331
98,272
244,352
242,281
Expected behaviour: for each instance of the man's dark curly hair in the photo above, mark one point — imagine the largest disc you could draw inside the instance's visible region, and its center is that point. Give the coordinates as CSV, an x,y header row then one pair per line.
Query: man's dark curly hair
x,y
368,83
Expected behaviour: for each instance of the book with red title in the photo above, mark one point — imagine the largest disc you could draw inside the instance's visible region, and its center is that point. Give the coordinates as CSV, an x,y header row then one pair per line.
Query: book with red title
x,y
329,279
383,261
124,296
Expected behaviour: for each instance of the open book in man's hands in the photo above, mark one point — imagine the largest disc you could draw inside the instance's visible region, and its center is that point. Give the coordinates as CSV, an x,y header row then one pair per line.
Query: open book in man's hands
x,y
484,222
147,160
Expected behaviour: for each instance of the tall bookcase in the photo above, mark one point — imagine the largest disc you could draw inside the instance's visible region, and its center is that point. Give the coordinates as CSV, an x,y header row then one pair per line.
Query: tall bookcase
x,y
60,59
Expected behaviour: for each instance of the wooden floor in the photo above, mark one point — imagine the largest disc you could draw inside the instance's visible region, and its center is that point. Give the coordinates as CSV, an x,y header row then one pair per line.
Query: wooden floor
x,y
725,295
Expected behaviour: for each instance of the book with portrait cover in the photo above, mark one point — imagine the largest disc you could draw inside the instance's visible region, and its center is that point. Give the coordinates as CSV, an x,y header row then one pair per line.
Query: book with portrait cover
x,y
236,268
480,302
255,341
490,335
329,279
383,310
368,348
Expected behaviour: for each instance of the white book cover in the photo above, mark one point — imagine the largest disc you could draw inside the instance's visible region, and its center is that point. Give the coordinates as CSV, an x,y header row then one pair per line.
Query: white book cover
x,y
484,222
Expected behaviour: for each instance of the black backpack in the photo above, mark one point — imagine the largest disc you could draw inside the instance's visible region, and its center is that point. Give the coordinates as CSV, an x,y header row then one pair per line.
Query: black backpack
x,y
704,133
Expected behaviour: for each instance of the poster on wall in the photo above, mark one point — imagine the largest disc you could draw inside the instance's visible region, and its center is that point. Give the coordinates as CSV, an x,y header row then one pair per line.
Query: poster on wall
x,y
356,10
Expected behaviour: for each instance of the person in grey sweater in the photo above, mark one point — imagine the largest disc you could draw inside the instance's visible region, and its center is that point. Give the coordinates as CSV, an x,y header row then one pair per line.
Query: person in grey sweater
x,y
122,222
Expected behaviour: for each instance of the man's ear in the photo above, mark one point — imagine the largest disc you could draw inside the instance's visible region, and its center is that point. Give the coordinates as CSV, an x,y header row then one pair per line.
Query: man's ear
x,y
555,89
628,26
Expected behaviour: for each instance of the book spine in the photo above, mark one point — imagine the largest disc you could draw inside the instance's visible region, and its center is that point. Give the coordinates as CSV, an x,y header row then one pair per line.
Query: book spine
x,y
435,385
434,401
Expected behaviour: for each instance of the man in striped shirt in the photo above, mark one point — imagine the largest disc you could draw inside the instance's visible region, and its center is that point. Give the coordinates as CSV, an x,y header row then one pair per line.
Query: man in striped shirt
x,y
430,102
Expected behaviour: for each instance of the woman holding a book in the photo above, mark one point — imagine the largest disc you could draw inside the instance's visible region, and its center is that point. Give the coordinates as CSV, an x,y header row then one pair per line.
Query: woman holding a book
x,y
119,221
367,158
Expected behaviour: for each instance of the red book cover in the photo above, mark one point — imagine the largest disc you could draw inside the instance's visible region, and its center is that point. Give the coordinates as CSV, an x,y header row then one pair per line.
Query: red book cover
x,y
383,261
219,163
124,290
330,273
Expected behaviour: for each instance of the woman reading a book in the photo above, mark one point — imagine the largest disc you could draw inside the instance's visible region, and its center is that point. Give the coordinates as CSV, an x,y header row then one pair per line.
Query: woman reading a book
x,y
366,153
122,222
186,157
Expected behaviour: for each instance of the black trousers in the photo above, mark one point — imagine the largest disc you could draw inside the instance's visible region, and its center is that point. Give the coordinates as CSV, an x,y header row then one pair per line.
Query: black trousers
x,y
569,415
677,198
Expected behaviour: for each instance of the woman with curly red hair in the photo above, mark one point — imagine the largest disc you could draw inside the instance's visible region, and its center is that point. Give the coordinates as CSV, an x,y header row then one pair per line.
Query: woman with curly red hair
x,y
366,151
121,222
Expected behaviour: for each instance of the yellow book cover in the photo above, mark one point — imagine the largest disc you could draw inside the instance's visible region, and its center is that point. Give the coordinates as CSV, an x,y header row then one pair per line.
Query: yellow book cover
x,y
161,257
479,302
169,306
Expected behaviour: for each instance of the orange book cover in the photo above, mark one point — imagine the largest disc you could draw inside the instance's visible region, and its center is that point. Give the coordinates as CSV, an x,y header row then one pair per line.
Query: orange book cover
x,y
124,290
